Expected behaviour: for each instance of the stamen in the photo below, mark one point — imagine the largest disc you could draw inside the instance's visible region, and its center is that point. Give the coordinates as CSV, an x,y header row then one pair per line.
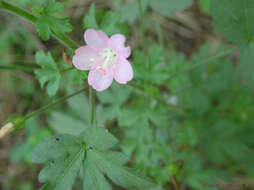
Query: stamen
x,y
108,56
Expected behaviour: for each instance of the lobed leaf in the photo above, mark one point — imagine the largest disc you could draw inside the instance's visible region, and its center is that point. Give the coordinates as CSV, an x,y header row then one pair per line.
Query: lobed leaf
x,y
63,123
99,138
46,24
89,20
93,177
62,156
233,19
244,69
48,73
166,7
118,173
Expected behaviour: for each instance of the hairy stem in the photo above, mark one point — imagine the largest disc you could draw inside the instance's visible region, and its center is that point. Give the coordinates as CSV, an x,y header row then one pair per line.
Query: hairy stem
x,y
91,106
28,68
18,123
32,18
16,68
18,11
49,106
203,62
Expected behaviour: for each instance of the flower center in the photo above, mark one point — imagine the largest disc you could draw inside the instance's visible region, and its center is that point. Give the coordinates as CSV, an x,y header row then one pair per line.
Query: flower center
x,y
108,57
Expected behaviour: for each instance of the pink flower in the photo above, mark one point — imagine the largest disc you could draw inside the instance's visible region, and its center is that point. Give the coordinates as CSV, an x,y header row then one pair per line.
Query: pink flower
x,y
105,57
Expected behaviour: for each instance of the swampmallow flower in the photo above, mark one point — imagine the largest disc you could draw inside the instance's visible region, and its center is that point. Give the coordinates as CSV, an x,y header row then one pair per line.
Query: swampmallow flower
x,y
105,57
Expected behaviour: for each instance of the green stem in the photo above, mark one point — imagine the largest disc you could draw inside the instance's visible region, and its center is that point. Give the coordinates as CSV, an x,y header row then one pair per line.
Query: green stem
x,y
16,68
25,14
18,123
67,69
91,106
28,68
24,64
49,106
18,11
67,42
203,62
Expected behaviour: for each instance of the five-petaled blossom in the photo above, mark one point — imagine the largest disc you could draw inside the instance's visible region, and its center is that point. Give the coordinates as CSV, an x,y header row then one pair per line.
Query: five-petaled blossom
x,y
105,57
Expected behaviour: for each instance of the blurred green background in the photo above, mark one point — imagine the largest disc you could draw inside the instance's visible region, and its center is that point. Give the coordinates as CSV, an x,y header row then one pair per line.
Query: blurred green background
x,y
203,134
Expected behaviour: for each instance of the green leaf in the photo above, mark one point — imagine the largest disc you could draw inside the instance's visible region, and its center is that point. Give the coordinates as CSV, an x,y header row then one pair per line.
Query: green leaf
x,y
34,133
99,162
49,73
118,173
77,77
79,104
110,23
120,94
73,121
53,7
110,110
94,178
130,11
59,25
89,20
166,7
245,67
106,113
233,19
154,64
99,138
220,78
197,100
43,28
118,157
47,23
62,156
63,123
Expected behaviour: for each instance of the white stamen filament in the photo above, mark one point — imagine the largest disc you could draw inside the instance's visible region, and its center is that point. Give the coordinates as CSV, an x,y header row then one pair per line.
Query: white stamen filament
x,y
108,58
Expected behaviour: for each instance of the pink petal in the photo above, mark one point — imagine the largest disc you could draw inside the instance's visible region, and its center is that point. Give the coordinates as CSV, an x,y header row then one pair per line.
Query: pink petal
x,y
117,42
84,58
125,53
96,39
123,71
100,80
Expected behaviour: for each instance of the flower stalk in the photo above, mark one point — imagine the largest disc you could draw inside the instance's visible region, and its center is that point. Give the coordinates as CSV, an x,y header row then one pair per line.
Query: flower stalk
x,y
91,106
